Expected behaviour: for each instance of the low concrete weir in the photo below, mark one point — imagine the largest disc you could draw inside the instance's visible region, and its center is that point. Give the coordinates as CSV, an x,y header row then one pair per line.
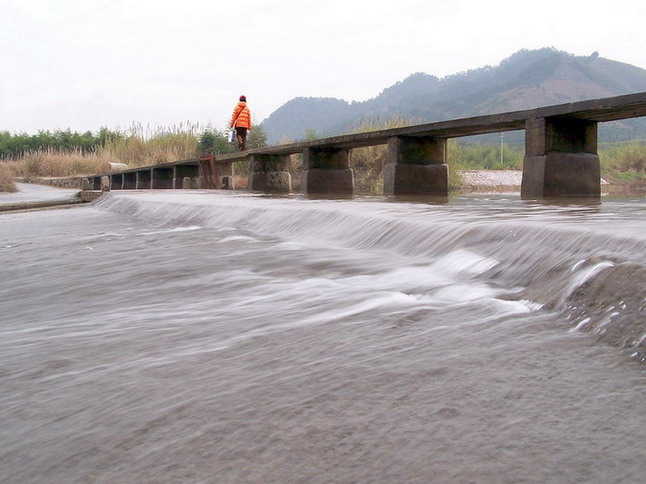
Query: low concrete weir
x,y
560,155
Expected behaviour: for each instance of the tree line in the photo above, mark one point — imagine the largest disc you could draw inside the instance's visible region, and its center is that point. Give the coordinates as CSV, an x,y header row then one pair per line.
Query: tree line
x,y
17,146
14,146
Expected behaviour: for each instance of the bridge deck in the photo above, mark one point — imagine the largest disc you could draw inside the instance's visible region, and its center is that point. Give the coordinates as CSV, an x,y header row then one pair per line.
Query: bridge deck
x,y
601,110
606,109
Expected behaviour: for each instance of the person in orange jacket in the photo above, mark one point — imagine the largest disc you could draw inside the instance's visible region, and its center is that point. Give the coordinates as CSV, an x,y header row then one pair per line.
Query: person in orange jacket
x,y
241,122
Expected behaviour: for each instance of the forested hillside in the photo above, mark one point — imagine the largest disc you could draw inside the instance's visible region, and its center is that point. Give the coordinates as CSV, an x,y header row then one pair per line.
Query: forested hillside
x,y
525,80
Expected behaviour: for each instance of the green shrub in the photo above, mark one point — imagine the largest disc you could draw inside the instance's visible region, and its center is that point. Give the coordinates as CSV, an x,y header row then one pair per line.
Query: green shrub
x,y
631,176
623,157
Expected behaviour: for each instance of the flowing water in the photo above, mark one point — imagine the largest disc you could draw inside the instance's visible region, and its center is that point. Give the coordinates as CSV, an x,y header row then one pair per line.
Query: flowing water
x,y
219,337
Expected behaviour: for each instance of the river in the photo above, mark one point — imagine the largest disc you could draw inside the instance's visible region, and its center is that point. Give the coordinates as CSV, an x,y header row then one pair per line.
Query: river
x,y
198,336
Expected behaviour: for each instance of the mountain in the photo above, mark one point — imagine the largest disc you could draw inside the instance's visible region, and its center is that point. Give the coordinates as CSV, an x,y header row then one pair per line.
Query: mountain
x,y
527,79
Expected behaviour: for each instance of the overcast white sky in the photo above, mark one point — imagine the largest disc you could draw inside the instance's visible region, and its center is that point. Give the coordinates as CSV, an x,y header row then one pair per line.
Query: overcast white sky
x,y
83,64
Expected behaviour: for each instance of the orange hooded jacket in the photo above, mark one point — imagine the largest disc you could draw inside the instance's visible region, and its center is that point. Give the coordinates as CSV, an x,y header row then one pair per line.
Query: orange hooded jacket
x,y
242,114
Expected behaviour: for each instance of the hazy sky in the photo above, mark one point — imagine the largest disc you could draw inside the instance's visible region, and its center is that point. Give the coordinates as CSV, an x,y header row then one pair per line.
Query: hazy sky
x,y
83,64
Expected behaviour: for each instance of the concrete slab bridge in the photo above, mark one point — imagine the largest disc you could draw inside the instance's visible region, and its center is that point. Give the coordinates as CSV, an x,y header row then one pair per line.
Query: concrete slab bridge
x,y
560,155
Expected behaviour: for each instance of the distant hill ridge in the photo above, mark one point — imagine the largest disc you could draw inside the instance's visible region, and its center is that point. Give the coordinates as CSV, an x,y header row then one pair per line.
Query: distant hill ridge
x,y
527,79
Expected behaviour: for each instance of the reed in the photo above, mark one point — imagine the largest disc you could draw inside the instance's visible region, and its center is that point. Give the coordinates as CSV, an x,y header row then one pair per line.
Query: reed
x,y
7,182
145,145
368,162
53,163
137,146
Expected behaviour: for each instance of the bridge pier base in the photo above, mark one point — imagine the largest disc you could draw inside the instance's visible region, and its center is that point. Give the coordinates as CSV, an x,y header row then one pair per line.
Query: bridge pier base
x,y
225,171
269,173
130,180
116,181
416,166
162,178
561,158
327,171
144,179
182,172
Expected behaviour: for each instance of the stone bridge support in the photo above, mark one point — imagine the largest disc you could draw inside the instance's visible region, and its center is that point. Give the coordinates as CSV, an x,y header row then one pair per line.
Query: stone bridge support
x,y
162,177
327,171
144,179
116,181
226,174
416,166
560,158
105,183
180,172
130,180
270,173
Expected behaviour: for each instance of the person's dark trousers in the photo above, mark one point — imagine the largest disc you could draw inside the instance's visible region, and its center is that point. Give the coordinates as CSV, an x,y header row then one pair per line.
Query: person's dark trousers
x,y
241,134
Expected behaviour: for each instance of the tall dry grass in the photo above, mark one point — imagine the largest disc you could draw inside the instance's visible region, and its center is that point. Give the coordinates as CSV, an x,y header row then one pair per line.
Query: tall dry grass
x,y
7,182
52,163
142,146
138,146
368,162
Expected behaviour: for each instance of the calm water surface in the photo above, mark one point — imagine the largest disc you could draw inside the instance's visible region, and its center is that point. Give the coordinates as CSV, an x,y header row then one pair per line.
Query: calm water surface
x,y
212,337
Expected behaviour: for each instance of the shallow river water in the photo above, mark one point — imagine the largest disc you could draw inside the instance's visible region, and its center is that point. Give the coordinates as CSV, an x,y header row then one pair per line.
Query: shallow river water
x,y
219,337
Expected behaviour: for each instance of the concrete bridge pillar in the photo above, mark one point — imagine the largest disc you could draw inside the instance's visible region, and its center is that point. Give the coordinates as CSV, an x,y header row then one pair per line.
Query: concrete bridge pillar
x,y
225,171
182,172
144,179
130,180
270,173
327,171
416,166
116,181
560,158
162,178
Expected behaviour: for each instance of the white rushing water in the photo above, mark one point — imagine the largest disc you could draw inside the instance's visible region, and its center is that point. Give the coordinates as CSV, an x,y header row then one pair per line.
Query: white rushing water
x,y
211,337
